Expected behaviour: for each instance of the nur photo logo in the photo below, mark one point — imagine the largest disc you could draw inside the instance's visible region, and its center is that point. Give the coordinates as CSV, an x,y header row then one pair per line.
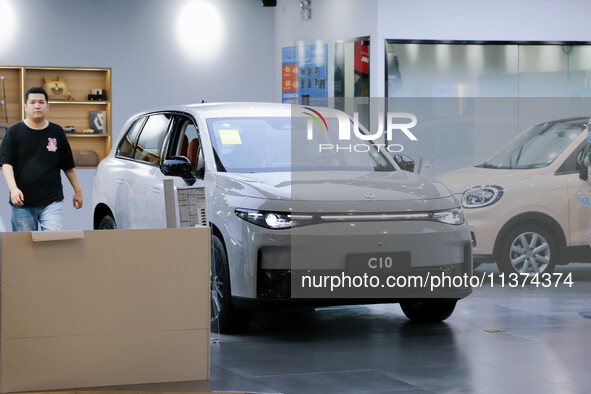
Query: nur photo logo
x,y
316,119
349,129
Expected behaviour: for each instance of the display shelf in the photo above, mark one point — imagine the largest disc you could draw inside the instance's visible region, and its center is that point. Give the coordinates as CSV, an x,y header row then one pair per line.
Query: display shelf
x,y
11,111
95,102
80,81
72,112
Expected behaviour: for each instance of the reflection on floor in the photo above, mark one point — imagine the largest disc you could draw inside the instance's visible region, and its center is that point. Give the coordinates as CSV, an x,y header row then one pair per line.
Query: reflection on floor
x,y
543,346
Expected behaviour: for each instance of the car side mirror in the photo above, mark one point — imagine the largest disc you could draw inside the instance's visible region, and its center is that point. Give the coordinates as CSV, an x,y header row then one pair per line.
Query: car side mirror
x,y
177,166
404,162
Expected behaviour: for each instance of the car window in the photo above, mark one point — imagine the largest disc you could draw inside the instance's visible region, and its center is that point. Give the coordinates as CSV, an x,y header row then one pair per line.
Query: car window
x,y
574,161
149,144
537,147
185,141
195,149
274,144
581,153
191,131
127,145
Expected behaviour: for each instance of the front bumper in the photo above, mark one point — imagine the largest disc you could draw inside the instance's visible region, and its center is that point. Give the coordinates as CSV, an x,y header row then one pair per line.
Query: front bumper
x,y
410,251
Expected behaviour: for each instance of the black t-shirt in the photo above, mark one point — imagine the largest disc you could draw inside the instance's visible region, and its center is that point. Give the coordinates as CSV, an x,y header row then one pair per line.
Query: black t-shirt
x,y
37,157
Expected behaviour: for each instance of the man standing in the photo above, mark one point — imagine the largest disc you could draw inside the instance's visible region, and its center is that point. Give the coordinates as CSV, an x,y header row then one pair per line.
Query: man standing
x,y
32,153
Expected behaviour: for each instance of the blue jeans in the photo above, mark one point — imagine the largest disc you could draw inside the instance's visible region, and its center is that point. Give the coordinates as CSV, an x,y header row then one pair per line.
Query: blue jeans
x,y
50,217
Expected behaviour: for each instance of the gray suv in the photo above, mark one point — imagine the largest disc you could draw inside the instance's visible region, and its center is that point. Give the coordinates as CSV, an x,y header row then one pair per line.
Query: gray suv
x,y
284,208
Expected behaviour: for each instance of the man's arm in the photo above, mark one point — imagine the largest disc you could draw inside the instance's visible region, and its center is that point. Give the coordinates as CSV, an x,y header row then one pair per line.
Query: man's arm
x,y
16,196
73,178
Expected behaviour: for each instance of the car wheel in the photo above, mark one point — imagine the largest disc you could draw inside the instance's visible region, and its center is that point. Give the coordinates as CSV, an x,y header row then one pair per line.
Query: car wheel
x,y
429,310
107,223
224,317
527,249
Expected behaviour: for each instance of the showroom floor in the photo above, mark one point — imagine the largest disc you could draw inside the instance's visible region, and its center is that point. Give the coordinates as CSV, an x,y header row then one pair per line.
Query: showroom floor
x,y
533,345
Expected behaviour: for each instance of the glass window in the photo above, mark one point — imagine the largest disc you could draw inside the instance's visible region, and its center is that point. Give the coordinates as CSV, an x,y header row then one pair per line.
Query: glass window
x,y
451,70
194,150
275,144
191,131
575,161
514,85
182,133
537,147
460,69
580,156
127,145
149,144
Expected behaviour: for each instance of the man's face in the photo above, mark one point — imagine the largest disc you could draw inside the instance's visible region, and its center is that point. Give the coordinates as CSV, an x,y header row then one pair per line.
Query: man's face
x,y
36,106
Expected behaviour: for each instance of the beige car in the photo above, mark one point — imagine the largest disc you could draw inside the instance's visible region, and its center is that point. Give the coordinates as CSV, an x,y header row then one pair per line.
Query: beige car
x,y
526,207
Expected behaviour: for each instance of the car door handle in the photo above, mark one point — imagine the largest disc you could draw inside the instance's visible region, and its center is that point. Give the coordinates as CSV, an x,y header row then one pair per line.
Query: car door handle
x,y
118,180
156,189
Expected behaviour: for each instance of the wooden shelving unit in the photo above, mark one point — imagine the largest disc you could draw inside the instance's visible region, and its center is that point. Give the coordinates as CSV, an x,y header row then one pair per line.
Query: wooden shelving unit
x,y
72,112
13,77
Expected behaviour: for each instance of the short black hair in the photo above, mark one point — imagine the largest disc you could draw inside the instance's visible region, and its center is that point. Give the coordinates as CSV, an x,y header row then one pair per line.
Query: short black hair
x,y
36,90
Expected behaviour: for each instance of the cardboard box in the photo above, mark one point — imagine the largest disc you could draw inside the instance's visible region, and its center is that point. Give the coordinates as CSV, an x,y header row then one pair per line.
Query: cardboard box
x,y
103,308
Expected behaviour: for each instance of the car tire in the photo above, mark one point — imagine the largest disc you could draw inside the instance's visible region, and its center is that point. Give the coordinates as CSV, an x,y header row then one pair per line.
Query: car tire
x,y
428,310
224,317
528,248
107,223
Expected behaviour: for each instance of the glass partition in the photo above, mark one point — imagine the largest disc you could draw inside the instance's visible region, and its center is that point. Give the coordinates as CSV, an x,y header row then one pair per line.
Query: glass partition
x,y
469,69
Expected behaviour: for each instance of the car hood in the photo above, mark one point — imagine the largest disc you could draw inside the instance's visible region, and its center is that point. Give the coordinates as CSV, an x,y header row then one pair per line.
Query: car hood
x,y
333,186
458,181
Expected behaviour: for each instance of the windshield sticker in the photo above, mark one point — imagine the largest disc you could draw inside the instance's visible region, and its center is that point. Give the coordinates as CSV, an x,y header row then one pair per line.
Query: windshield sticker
x,y
230,137
583,199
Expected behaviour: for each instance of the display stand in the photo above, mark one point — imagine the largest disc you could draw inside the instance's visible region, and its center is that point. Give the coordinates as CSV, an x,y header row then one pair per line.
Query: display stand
x,y
75,313
187,207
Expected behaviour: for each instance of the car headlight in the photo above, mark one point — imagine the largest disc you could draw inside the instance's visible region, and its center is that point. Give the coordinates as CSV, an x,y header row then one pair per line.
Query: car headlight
x,y
481,196
453,216
274,220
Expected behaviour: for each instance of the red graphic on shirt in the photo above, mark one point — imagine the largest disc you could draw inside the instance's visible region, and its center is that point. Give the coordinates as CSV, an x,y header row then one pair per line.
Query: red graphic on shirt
x,y
52,145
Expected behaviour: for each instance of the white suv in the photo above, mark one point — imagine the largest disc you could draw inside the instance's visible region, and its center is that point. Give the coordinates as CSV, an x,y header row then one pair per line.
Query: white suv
x,y
281,208
527,207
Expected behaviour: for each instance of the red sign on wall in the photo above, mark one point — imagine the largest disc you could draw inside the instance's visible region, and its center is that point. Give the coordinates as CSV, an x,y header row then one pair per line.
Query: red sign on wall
x,y
290,71
290,75
291,85
361,57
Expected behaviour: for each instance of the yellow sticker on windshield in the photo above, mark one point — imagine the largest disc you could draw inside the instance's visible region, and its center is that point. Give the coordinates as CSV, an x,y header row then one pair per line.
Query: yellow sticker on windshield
x,y
230,137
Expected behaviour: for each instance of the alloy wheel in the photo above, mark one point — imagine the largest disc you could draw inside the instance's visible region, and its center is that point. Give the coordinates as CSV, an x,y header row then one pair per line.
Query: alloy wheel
x,y
530,253
217,284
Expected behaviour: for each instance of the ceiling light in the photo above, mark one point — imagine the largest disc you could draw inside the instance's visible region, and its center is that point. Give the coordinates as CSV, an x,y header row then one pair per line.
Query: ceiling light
x,y
200,30
7,24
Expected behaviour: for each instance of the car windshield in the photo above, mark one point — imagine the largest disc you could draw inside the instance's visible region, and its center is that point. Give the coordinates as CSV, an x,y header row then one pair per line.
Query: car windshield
x,y
536,147
277,144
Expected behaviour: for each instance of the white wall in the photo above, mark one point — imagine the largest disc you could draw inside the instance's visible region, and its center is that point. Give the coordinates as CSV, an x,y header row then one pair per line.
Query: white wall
x,y
137,39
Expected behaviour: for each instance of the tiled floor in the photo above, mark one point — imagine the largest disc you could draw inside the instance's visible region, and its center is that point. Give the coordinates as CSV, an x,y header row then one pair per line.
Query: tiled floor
x,y
545,348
